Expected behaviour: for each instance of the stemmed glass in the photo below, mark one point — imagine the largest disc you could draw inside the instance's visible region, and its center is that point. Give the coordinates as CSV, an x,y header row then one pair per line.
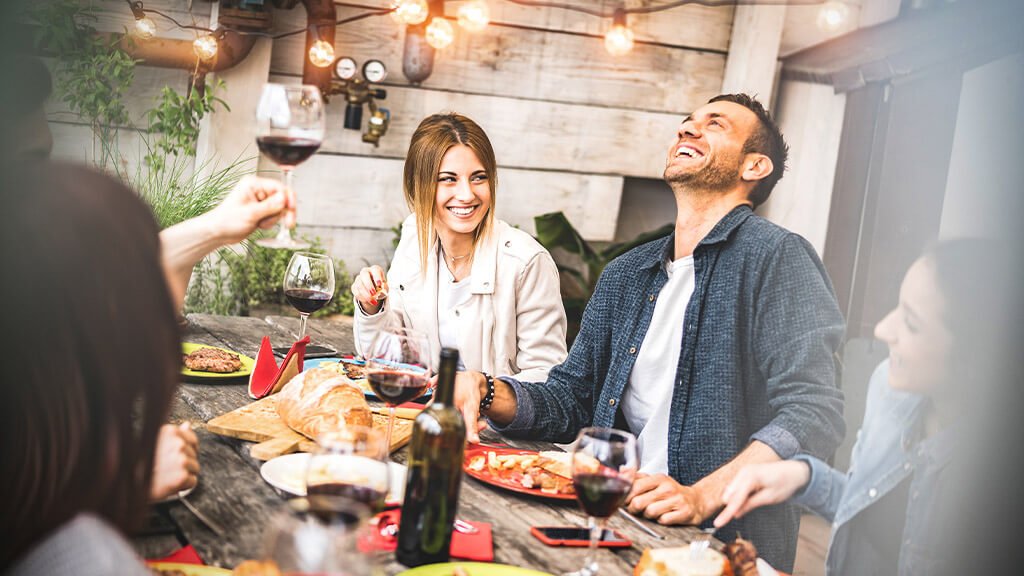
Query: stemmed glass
x,y
289,129
330,538
604,465
350,462
308,284
398,368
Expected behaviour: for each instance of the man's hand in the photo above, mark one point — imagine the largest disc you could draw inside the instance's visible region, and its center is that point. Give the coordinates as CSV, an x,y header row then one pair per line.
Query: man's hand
x,y
254,203
468,385
661,498
760,485
176,463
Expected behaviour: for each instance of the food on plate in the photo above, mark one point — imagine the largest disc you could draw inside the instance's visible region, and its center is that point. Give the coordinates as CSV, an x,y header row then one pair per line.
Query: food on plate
x,y
549,471
256,568
207,359
740,559
318,401
166,571
351,371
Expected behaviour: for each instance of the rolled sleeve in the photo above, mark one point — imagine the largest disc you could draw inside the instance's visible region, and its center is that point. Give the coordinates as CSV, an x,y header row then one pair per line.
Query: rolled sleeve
x,y
779,439
823,491
525,413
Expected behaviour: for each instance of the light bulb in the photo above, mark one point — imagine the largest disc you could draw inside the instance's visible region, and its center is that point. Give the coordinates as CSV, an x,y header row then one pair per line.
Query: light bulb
x,y
618,40
474,16
205,47
410,12
145,28
440,33
321,54
832,16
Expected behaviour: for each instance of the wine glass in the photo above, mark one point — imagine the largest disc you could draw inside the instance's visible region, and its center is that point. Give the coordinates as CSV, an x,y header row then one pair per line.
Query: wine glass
x,y
289,129
350,462
604,465
308,284
398,368
331,538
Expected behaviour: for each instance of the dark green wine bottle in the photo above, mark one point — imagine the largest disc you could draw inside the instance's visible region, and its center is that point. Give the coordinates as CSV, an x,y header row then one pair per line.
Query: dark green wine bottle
x,y
435,474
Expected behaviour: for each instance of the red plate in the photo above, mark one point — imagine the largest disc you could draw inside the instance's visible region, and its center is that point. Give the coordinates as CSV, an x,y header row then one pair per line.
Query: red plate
x,y
502,479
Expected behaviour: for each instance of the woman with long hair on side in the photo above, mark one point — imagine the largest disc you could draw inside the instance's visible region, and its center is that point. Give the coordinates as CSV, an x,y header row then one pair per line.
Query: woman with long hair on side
x,y
465,278
91,360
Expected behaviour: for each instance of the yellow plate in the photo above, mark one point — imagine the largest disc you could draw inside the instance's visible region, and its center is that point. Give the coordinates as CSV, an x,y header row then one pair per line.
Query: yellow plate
x,y
191,569
245,370
473,568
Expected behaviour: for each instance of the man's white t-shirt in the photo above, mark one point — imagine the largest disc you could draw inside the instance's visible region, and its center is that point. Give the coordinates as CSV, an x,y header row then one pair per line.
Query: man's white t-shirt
x,y
647,399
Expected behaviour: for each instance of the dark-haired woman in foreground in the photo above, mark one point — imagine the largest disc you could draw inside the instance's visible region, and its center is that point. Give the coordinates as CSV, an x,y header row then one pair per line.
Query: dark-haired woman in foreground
x,y
91,354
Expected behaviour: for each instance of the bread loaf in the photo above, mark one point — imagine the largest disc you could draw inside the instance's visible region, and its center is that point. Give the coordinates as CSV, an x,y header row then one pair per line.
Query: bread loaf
x,y
677,562
318,401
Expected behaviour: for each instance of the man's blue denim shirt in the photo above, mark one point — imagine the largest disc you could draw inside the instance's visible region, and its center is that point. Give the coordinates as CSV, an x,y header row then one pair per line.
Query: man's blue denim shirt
x,y
757,361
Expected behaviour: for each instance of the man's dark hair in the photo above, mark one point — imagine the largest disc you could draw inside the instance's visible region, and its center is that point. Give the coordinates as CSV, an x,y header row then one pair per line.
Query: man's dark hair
x,y
31,90
765,139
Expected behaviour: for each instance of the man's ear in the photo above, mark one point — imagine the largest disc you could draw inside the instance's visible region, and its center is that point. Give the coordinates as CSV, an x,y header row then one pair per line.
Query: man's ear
x,y
756,167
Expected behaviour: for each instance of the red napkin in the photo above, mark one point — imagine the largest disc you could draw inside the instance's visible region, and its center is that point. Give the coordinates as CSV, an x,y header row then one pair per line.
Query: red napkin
x,y
186,555
267,378
479,546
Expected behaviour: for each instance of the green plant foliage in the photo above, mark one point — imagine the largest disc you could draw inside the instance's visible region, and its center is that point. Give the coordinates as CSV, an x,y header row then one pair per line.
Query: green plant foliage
x,y
554,231
233,283
175,120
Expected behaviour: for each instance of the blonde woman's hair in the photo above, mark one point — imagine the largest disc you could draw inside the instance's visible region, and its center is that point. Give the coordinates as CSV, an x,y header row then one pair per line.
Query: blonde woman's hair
x,y
434,137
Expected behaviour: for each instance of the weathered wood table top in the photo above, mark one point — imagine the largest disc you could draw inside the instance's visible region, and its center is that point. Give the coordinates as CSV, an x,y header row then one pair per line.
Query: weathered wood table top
x,y
233,494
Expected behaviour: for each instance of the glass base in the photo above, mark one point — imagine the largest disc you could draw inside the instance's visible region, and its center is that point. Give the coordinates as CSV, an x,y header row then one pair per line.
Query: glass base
x,y
283,243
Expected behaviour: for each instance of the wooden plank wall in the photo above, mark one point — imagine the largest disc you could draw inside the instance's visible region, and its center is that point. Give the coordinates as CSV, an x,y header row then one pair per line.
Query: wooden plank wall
x,y
568,121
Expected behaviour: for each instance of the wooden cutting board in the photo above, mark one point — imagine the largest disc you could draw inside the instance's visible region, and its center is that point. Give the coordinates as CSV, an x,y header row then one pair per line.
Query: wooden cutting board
x,y
259,422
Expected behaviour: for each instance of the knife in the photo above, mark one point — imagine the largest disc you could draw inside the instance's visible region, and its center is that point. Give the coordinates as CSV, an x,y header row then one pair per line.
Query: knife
x,y
213,526
640,524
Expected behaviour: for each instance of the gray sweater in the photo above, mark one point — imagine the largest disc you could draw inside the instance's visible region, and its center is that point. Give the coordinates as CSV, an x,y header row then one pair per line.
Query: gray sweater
x,y
85,546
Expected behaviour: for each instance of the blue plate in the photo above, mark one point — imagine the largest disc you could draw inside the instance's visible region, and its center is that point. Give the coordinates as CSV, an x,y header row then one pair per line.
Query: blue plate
x,y
363,384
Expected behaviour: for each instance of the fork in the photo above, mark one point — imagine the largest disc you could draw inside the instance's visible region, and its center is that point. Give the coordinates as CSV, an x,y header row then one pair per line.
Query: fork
x,y
465,527
701,543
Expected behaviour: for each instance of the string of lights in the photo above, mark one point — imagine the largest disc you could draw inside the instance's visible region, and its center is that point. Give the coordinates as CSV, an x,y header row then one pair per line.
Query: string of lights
x,y
472,16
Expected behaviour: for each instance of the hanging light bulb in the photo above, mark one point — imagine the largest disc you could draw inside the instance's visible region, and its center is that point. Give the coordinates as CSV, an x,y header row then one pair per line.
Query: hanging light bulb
x,y
321,54
474,16
619,40
205,47
832,16
410,12
440,33
145,28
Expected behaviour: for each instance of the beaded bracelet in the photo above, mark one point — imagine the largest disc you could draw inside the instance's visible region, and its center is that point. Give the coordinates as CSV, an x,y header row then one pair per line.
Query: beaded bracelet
x,y
485,403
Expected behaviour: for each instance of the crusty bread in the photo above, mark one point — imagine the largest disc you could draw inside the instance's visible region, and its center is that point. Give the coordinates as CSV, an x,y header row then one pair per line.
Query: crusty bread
x,y
318,401
676,562
557,462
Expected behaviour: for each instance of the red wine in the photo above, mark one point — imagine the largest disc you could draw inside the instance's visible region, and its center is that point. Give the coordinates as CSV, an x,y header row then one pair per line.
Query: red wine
x,y
397,387
307,301
599,494
285,151
366,494
435,474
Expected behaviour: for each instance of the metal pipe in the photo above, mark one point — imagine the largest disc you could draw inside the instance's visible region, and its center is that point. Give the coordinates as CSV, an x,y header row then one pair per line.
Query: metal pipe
x,y
171,53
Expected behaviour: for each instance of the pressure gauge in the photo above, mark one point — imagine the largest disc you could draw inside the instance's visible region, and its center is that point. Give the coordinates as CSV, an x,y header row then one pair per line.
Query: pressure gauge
x,y
374,71
345,68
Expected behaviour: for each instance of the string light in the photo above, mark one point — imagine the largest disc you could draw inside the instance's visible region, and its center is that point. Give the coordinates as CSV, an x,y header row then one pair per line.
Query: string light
x,y
619,40
205,46
321,54
145,28
474,16
832,16
410,12
440,33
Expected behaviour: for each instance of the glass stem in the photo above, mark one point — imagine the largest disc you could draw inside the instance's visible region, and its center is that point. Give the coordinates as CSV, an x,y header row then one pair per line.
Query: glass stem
x,y
391,424
283,232
302,320
589,562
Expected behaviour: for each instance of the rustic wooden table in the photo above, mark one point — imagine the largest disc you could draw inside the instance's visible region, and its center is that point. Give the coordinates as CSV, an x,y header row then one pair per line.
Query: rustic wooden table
x,y
233,494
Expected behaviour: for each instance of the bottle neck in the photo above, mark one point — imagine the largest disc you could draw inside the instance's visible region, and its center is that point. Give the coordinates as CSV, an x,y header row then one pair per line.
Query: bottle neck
x,y
445,391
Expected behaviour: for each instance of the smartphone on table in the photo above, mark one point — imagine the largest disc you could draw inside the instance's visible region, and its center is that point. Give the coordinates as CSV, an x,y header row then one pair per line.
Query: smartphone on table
x,y
575,536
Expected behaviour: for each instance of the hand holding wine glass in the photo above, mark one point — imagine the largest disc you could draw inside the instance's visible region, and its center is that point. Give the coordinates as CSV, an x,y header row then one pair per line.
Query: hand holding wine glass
x,y
350,462
604,465
398,368
290,124
308,284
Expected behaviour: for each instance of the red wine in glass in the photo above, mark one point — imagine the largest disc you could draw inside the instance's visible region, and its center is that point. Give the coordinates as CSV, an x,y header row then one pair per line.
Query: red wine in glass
x,y
307,301
600,495
396,387
286,151
368,495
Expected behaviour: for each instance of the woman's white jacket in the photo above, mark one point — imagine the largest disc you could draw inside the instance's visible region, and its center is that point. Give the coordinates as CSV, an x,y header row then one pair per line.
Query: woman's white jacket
x,y
512,324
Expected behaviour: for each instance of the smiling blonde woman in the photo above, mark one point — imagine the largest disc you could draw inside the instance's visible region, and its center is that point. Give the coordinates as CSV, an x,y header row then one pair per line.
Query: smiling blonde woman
x,y
466,279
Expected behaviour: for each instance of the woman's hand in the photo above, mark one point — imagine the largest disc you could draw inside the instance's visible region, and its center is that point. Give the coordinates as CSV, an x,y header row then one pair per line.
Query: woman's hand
x,y
370,288
176,464
760,485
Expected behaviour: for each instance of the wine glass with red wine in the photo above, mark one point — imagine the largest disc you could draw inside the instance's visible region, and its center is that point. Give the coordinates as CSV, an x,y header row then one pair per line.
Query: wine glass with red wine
x,y
289,129
350,462
330,538
398,368
308,284
604,465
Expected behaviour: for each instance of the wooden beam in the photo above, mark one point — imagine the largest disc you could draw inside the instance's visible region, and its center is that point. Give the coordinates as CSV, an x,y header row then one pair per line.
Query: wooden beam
x,y
754,51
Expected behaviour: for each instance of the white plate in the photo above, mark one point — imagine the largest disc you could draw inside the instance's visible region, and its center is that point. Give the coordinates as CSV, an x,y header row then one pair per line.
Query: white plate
x,y
288,474
765,569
